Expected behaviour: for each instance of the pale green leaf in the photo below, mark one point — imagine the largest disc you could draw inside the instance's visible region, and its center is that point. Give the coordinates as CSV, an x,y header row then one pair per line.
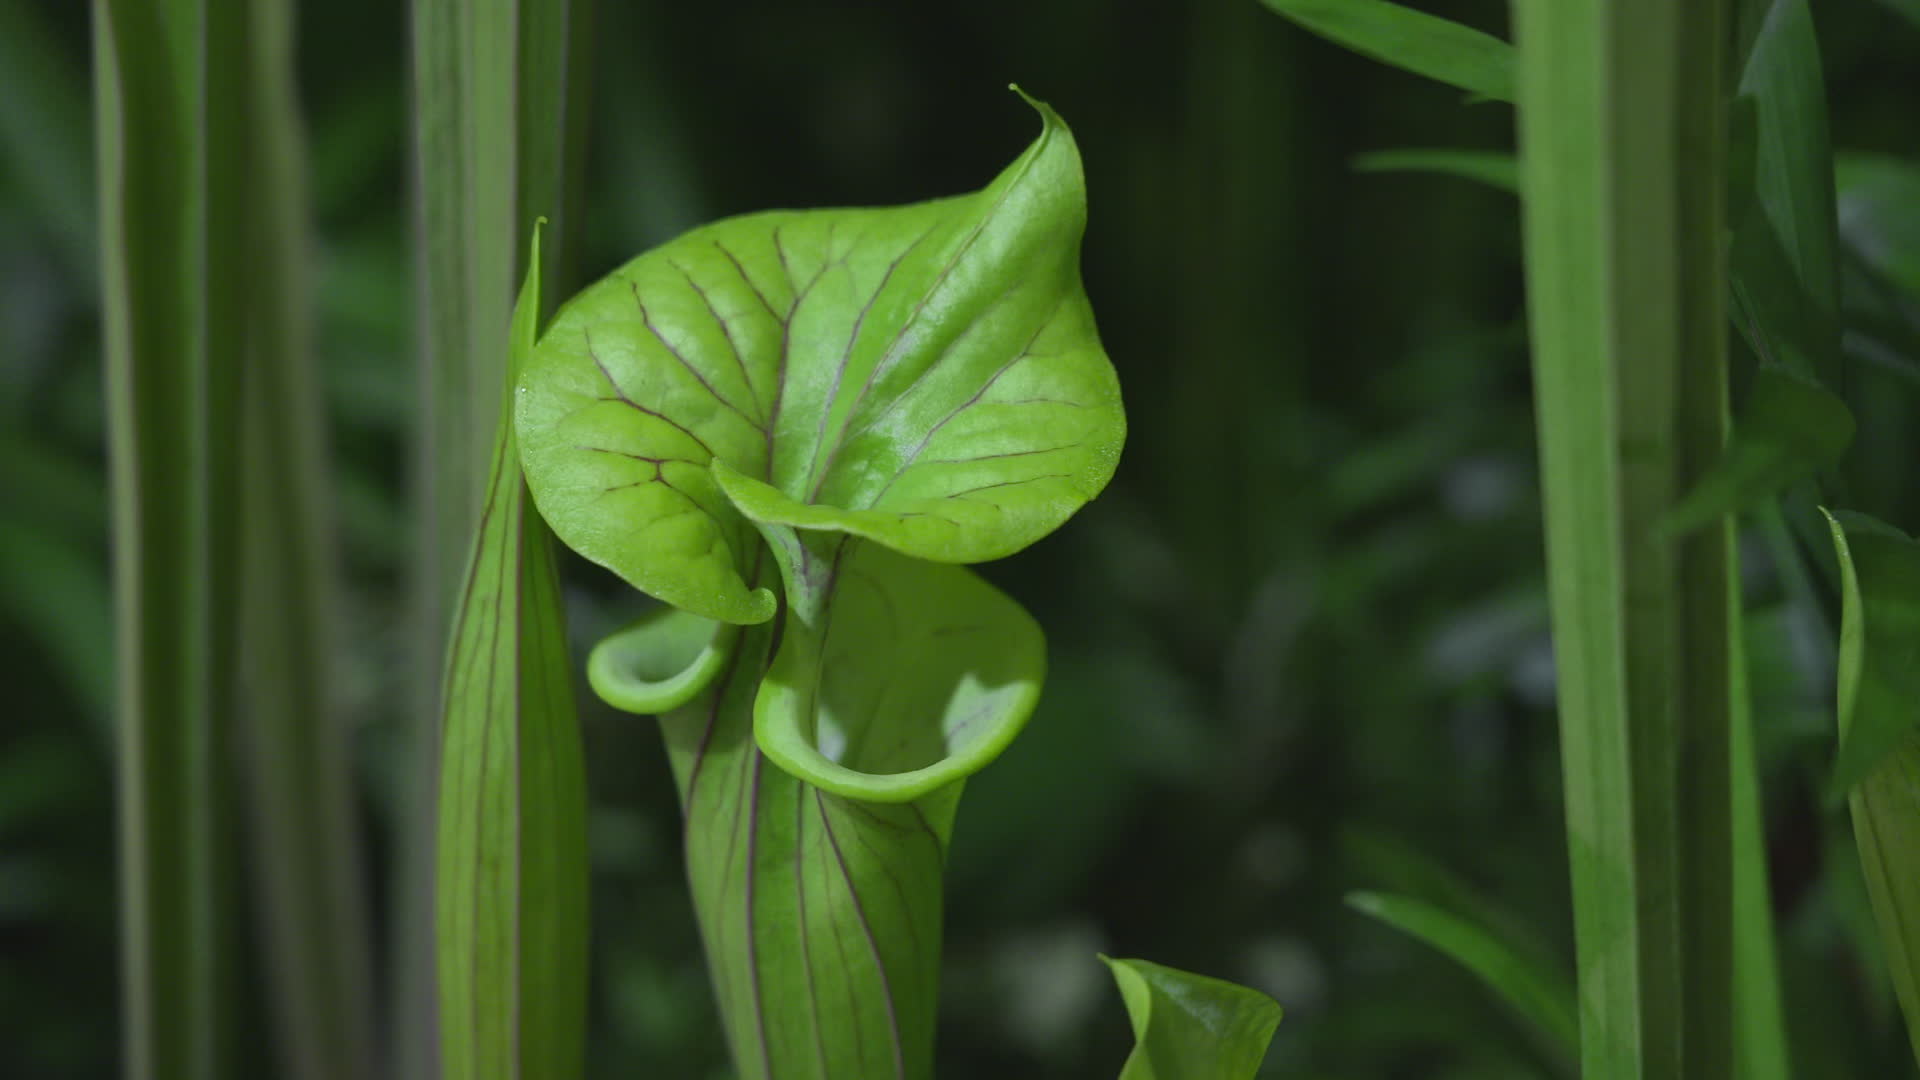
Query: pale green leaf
x,y
1192,1027
1879,644
512,861
1542,995
1415,41
926,376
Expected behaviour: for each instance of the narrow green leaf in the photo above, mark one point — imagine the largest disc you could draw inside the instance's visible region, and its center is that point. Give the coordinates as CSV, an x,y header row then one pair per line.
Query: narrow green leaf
x,y
1622,143
300,793
499,108
168,82
1879,639
1493,168
1543,996
1188,1026
926,376
1411,40
512,878
1788,429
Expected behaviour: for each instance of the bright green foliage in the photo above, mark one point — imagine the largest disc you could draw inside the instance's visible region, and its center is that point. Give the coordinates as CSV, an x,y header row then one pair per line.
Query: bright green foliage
x,y
1542,995
1879,636
512,881
1413,40
812,415
1192,1027
925,376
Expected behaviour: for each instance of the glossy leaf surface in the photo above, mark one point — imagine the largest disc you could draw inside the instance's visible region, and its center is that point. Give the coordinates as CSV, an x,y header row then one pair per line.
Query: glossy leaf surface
x,y
1879,643
1187,1026
927,376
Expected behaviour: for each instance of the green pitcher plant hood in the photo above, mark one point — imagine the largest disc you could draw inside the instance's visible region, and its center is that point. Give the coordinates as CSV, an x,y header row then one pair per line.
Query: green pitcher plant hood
x,y
793,428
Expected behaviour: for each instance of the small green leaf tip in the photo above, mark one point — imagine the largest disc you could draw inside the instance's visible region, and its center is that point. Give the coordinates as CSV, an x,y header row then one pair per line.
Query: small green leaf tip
x,y
660,662
1192,1027
928,377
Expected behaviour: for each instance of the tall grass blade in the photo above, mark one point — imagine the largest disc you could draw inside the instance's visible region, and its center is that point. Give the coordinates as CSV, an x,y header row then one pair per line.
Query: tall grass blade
x,y
1880,626
168,82
1622,140
499,109
1759,1018
512,882
299,788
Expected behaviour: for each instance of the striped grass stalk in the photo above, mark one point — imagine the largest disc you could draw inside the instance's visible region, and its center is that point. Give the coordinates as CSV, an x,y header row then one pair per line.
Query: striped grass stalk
x,y
1622,160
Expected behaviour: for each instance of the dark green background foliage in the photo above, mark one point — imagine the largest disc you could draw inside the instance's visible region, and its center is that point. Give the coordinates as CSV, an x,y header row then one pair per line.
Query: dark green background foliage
x,y
1297,649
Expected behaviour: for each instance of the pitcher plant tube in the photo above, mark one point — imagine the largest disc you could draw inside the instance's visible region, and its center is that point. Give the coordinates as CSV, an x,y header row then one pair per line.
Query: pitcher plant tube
x,y
793,428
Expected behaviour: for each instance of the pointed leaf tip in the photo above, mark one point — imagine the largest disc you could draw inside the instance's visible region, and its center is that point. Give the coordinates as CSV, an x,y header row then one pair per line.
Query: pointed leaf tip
x,y
1187,1025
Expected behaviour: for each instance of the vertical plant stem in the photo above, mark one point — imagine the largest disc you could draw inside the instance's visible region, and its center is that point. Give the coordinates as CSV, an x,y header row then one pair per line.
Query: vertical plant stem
x,y
498,114
1622,139
299,775
168,80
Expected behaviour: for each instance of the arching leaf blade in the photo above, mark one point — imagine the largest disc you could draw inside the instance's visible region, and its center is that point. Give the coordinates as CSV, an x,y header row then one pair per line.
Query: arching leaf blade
x,y
1543,996
1411,40
1496,169
1187,1025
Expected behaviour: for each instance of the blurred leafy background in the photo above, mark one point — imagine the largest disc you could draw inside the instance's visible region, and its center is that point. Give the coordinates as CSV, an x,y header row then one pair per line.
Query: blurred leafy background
x,y
1298,648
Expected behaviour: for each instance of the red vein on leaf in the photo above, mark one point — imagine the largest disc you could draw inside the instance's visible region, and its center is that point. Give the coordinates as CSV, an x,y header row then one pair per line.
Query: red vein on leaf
x,y
726,331
646,320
